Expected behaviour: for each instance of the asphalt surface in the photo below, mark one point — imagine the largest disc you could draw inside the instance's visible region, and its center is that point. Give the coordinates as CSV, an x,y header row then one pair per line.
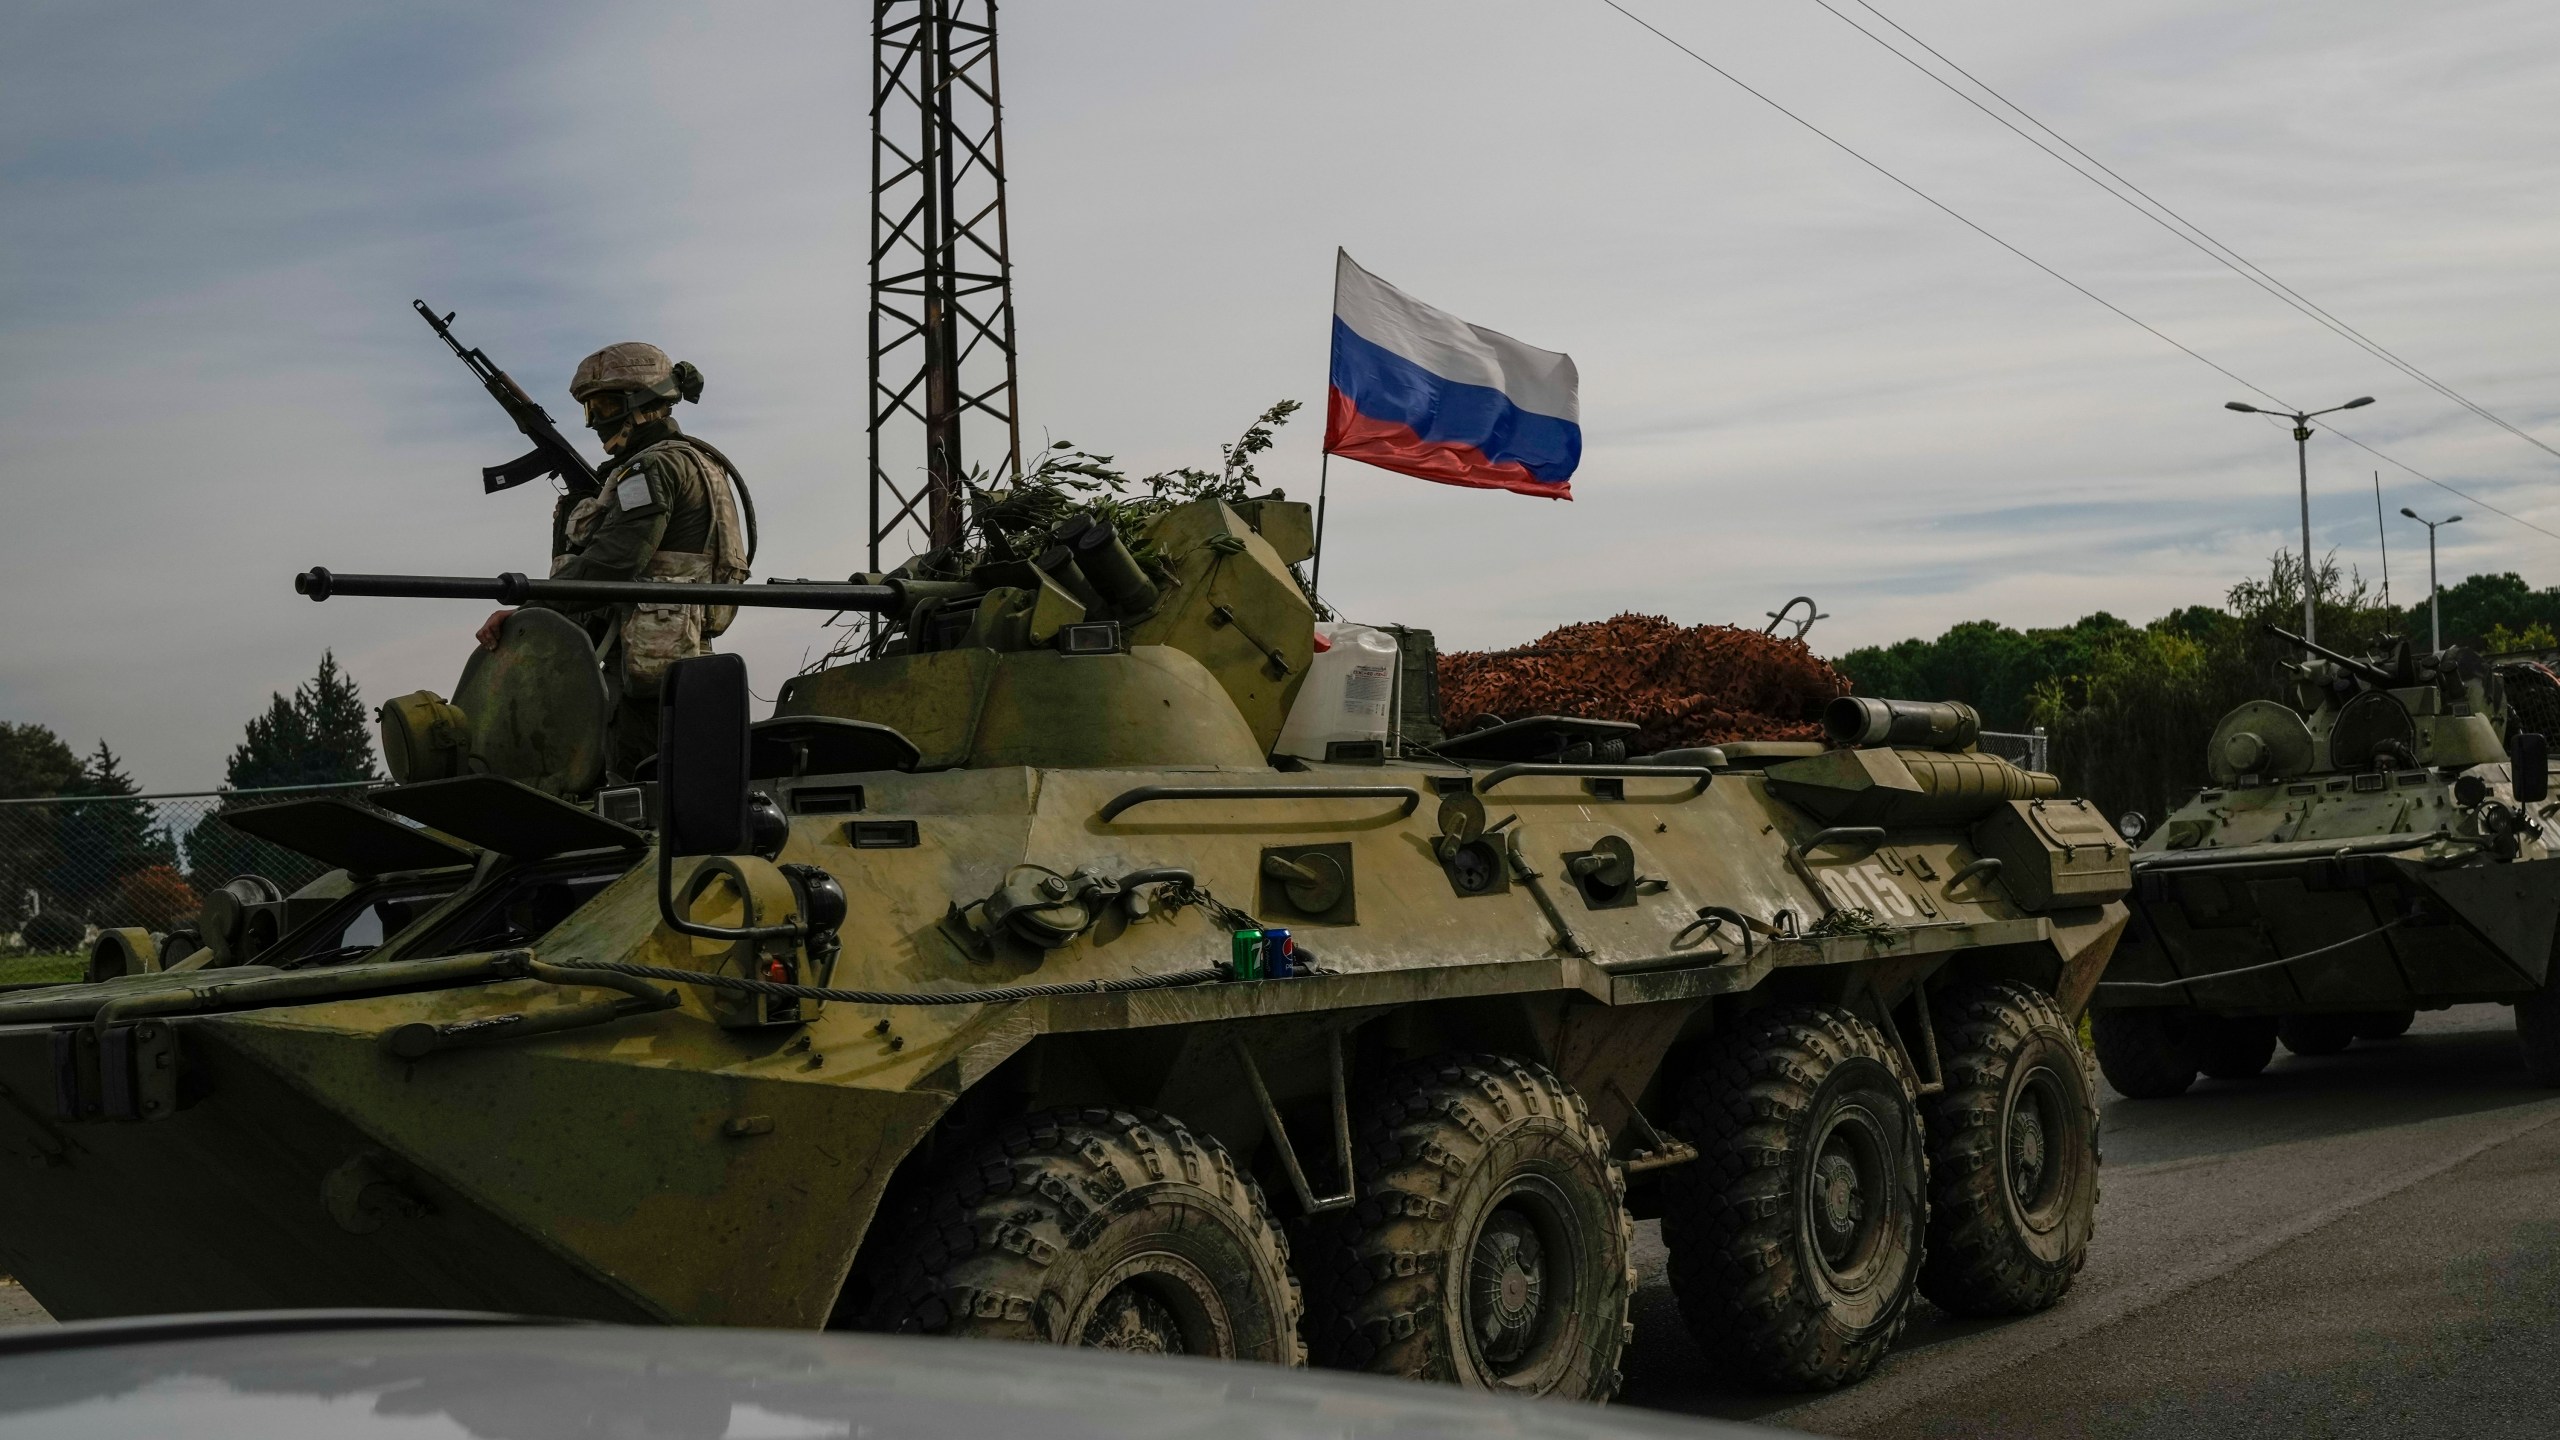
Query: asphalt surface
x,y
2366,1244
2362,1245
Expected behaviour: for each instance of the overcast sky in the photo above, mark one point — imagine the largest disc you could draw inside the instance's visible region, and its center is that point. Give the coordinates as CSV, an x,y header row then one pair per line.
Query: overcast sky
x,y
1797,377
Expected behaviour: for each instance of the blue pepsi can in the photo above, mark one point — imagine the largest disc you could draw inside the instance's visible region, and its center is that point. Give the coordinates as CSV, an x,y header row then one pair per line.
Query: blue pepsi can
x,y
1279,954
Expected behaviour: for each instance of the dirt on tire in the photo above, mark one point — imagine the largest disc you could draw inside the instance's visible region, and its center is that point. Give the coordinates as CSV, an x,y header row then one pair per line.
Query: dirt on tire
x,y
1442,1151
1061,1212
1744,1265
2012,1060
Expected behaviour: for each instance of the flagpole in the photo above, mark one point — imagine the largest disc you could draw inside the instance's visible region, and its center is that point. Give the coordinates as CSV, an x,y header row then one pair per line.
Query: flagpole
x,y
1324,473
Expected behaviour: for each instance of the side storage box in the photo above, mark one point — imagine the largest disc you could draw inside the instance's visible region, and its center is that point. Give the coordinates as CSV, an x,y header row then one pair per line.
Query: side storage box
x,y
2056,854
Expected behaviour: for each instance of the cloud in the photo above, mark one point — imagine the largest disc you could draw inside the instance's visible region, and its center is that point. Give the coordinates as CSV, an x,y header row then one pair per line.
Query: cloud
x,y
1798,378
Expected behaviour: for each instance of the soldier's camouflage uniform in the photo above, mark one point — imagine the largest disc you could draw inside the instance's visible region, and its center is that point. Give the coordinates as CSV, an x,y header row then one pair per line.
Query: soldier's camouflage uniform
x,y
665,511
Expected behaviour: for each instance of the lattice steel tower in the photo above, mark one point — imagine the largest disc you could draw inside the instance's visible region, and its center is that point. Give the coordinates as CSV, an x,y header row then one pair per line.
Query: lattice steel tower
x,y
942,356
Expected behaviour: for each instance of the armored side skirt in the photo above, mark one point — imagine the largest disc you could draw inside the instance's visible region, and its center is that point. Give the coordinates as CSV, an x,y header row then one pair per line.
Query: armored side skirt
x,y
2363,932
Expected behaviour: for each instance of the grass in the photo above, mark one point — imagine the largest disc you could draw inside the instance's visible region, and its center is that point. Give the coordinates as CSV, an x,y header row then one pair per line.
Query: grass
x,y
40,969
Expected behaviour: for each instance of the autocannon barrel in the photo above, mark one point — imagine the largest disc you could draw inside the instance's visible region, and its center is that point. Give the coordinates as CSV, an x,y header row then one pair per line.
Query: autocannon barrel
x,y
516,588
2370,673
1925,724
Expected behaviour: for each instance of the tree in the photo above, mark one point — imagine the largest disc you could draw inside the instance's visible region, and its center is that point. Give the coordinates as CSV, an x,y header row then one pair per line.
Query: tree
x,y
2477,606
104,837
318,735
2129,729
321,734
1983,663
33,762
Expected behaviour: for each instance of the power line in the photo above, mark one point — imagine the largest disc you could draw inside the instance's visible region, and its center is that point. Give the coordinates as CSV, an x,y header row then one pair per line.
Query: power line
x,y
2430,479
2185,229
1942,207
1846,149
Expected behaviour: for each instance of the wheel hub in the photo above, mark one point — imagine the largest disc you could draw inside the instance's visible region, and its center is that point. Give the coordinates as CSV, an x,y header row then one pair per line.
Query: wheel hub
x,y
1131,1319
1506,1286
2026,1154
1839,1202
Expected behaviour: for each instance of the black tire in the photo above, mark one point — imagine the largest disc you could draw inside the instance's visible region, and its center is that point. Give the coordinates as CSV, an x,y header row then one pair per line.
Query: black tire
x,y
2148,1053
2317,1034
2013,1153
1796,1235
1117,1229
2234,1047
2538,1034
1490,1246
2385,1024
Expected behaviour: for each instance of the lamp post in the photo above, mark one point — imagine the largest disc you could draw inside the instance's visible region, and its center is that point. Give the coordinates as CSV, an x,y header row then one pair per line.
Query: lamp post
x,y
2435,603
2302,457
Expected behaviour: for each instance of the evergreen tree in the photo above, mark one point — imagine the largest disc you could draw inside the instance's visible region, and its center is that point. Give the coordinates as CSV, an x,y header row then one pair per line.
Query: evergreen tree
x,y
321,734
340,729
318,735
101,840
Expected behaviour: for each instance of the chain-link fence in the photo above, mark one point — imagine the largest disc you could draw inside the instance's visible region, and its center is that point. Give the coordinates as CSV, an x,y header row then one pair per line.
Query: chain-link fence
x,y
2028,751
71,865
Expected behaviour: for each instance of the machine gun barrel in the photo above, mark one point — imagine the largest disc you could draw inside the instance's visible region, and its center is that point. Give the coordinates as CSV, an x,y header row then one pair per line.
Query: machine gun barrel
x,y
2370,674
516,588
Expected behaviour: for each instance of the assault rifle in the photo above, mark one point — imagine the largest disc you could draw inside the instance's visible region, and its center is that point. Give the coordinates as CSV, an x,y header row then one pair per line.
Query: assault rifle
x,y
552,454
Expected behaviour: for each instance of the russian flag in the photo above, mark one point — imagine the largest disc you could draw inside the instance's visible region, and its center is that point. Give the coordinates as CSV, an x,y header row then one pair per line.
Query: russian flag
x,y
1421,392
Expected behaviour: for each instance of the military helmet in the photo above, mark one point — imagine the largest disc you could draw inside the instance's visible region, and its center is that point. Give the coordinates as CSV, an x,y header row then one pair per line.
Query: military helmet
x,y
629,365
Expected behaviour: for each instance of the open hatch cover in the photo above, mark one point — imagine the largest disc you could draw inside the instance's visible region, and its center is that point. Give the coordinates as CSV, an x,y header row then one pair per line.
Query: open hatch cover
x,y
507,816
355,837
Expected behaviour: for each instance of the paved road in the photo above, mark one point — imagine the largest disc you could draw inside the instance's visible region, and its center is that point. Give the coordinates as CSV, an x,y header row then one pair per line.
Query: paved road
x,y
2364,1245
2367,1244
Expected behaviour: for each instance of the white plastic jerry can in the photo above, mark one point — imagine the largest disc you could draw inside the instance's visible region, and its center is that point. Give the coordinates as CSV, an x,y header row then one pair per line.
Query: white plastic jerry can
x,y
1349,691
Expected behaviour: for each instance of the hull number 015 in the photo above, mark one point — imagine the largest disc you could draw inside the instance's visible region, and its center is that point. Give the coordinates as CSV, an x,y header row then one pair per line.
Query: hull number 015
x,y
1865,887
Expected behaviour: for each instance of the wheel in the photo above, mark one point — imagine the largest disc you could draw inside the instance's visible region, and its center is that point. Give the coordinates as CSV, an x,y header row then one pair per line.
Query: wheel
x,y
2538,1032
1796,1234
2147,1053
2013,1153
1490,1244
2385,1024
2233,1047
1115,1229
2317,1034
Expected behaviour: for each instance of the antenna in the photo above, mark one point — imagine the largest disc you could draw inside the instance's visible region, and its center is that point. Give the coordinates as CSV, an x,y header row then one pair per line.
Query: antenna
x,y
2384,536
942,348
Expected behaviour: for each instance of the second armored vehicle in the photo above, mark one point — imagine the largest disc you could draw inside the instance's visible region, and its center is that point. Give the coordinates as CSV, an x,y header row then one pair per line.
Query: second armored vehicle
x,y
2379,847
1056,973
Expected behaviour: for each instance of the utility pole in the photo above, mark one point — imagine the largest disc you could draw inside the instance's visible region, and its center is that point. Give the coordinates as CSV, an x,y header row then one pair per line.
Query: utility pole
x,y
942,346
2435,596
2302,458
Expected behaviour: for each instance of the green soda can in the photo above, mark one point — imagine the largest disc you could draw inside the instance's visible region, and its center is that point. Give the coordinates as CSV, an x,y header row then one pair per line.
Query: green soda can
x,y
1245,954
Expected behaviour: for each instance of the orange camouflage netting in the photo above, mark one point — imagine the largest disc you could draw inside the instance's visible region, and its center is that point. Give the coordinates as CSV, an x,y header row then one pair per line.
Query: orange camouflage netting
x,y
1699,685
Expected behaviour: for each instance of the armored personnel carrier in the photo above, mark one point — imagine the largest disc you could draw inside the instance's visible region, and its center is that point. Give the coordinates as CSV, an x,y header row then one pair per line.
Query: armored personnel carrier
x,y
2378,847
1104,957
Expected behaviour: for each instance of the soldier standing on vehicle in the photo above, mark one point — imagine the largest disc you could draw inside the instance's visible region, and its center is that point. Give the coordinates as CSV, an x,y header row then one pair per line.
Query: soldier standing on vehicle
x,y
667,508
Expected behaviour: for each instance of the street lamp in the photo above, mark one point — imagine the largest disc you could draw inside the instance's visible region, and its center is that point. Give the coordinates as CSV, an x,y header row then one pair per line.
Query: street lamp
x,y
2435,603
2302,455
